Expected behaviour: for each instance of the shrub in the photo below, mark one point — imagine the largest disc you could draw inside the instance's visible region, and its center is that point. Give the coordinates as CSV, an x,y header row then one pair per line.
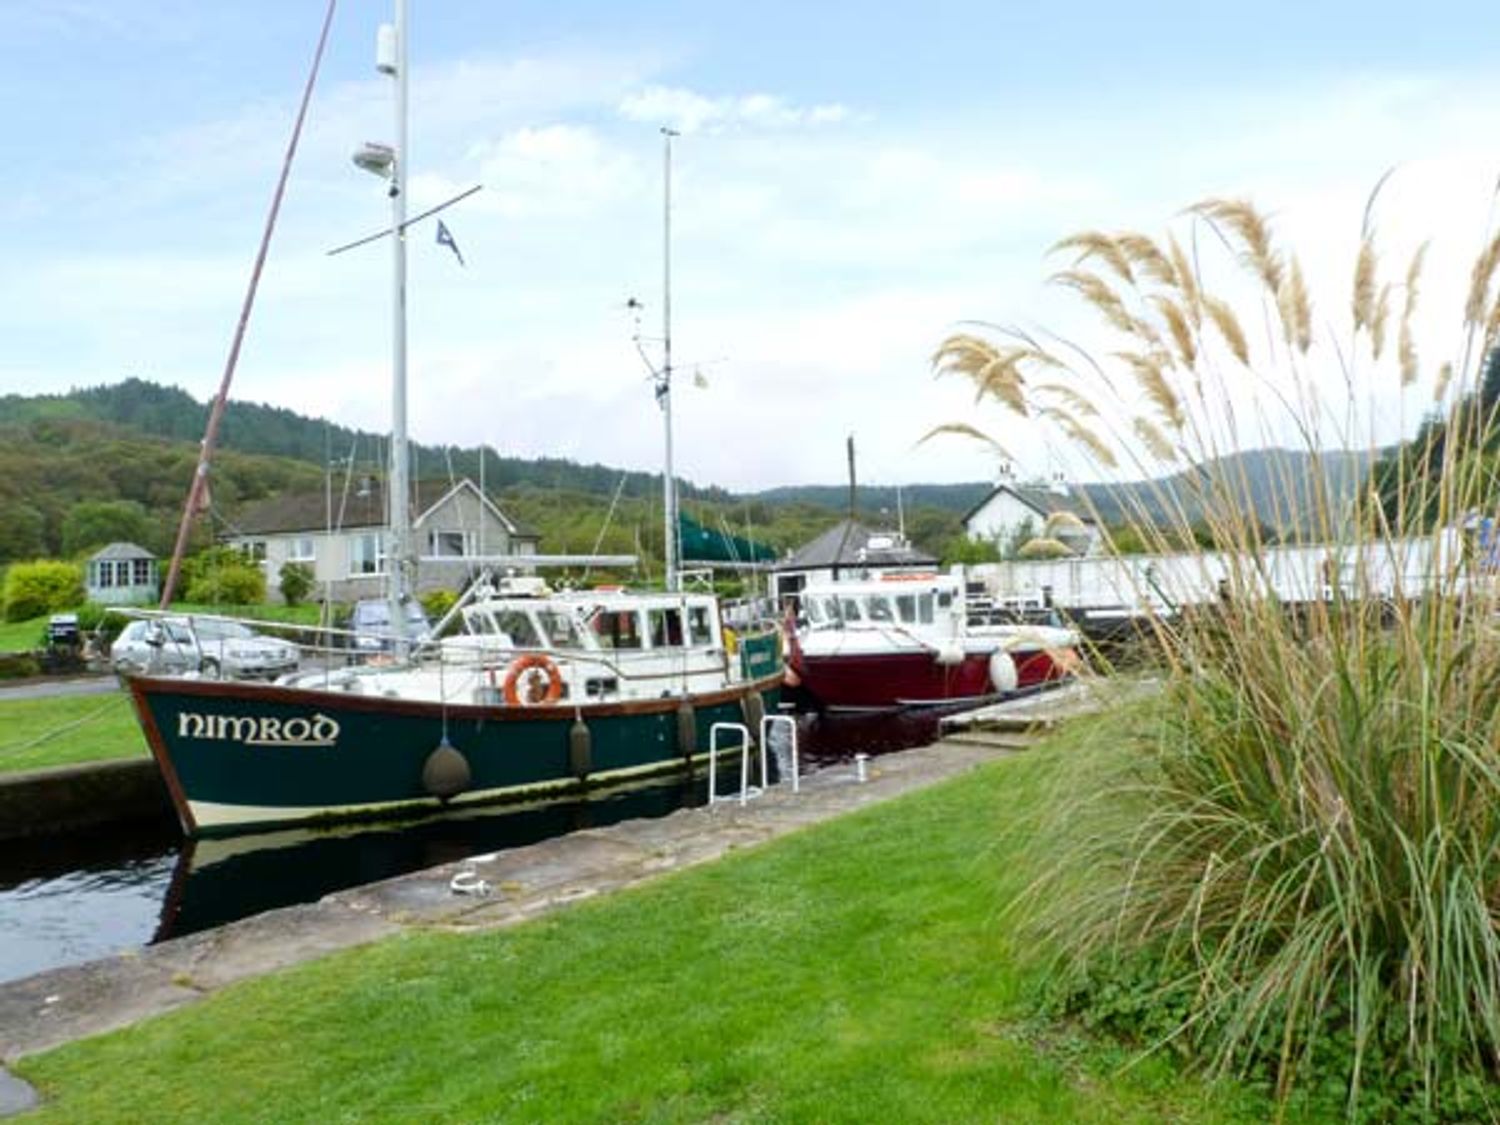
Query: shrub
x,y
438,602
18,665
1044,549
223,576
1300,848
44,586
296,581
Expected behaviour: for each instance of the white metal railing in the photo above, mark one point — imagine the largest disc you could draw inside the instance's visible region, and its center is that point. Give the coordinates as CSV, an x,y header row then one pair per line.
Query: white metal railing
x,y
746,789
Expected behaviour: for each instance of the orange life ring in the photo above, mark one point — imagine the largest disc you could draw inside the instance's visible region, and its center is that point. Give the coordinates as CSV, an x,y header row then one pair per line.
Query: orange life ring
x,y
523,664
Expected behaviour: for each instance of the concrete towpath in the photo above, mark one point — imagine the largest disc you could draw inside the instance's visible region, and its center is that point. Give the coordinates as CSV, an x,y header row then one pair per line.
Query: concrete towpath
x,y
56,1007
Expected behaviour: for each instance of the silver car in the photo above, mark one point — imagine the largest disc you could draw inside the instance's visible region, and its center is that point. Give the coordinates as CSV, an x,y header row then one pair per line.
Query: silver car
x,y
174,646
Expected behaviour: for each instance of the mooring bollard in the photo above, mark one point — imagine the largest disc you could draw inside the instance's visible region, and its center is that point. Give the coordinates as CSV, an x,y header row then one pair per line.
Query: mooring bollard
x,y
861,767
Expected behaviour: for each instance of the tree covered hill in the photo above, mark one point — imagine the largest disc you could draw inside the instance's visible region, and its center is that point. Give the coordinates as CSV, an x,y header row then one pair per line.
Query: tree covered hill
x,y
171,413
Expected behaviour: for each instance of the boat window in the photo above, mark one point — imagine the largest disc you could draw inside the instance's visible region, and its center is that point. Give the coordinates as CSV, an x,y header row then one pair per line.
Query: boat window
x,y
666,628
849,607
814,611
906,608
616,628
879,609
479,622
944,599
924,609
831,610
700,625
557,627
518,626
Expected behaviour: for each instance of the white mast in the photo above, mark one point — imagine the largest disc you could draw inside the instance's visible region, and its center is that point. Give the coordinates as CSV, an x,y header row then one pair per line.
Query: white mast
x,y
391,58
664,383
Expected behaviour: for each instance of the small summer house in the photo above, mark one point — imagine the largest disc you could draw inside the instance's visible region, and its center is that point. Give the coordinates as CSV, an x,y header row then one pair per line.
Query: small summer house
x,y
123,574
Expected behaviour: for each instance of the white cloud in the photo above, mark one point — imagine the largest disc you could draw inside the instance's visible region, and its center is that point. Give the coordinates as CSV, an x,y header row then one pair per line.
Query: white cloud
x,y
690,112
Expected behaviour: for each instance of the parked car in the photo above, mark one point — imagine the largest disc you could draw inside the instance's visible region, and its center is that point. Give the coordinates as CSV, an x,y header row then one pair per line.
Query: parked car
x,y
174,646
370,626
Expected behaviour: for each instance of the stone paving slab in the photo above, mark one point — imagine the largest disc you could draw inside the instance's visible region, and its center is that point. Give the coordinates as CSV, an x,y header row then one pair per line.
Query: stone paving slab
x,y
56,1007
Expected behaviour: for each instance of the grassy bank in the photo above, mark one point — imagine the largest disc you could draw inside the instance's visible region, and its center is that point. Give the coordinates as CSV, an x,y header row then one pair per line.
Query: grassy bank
x,y
856,971
61,731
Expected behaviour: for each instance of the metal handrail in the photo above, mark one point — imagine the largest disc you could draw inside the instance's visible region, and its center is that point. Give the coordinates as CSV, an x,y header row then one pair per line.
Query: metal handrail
x,y
746,789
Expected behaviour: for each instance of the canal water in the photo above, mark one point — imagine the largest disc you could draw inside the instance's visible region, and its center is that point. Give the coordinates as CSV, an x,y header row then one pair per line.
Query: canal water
x,y
65,900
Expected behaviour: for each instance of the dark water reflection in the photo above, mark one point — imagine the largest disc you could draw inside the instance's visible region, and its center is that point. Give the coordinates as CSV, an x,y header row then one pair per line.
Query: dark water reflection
x,y
64,900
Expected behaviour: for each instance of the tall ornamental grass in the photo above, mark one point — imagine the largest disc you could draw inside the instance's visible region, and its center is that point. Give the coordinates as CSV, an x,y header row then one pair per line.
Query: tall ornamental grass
x,y
1293,860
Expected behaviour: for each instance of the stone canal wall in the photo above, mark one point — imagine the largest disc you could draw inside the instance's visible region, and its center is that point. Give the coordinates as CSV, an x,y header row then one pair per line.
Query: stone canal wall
x,y
68,798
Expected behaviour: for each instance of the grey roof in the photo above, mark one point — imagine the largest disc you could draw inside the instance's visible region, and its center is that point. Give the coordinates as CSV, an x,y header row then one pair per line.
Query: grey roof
x,y
121,551
847,543
1040,498
363,506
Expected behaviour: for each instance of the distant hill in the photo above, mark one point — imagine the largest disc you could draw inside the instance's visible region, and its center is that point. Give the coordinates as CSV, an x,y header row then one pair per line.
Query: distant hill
x,y
1270,482
171,413
956,498
1276,484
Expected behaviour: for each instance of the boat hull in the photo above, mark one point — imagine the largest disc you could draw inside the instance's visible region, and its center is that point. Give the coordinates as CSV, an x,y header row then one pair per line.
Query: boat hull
x,y
237,756
875,681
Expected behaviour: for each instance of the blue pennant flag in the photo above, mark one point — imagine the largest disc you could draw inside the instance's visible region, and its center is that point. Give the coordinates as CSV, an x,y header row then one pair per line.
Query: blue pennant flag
x,y
445,238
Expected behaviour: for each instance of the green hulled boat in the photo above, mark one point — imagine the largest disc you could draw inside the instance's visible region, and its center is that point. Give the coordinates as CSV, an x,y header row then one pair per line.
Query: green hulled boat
x,y
533,693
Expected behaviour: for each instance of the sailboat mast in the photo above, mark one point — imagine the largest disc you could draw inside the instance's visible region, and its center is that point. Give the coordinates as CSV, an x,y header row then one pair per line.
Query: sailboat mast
x,y
400,557
669,480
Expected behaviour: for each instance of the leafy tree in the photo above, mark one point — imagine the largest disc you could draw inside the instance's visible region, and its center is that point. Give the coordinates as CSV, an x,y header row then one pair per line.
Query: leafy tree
x,y
43,586
969,551
1022,534
296,581
91,524
22,531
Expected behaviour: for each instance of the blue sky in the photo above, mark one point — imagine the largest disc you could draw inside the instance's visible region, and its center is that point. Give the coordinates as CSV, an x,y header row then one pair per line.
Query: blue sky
x,y
852,181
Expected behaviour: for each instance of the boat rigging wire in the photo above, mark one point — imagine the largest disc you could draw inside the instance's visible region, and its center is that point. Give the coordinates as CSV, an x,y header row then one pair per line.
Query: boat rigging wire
x,y
443,206
216,413
608,517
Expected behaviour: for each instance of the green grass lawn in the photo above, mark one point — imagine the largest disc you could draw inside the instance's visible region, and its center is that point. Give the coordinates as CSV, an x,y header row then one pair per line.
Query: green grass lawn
x,y
22,636
36,733
856,971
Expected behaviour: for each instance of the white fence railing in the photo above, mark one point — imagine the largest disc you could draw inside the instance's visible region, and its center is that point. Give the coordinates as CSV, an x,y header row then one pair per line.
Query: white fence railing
x,y
1300,573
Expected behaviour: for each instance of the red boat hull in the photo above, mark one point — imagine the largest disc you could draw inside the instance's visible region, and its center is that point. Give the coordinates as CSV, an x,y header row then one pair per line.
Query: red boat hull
x,y
873,681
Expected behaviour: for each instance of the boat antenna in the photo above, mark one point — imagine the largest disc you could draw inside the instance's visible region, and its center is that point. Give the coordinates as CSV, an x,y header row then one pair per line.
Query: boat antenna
x,y
664,378
197,498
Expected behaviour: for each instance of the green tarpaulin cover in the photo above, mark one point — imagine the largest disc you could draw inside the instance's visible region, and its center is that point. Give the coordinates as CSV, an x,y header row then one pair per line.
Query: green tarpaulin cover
x,y
701,544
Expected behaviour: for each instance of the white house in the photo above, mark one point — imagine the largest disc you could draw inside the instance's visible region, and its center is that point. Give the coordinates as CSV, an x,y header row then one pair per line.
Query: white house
x,y
1012,513
344,539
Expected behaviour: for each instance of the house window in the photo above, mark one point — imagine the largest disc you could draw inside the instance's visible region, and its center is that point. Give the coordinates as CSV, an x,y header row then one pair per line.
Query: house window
x,y
367,555
448,544
140,572
301,549
106,574
255,550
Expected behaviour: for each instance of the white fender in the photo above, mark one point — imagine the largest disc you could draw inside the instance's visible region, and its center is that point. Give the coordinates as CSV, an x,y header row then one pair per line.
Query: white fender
x,y
1003,671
